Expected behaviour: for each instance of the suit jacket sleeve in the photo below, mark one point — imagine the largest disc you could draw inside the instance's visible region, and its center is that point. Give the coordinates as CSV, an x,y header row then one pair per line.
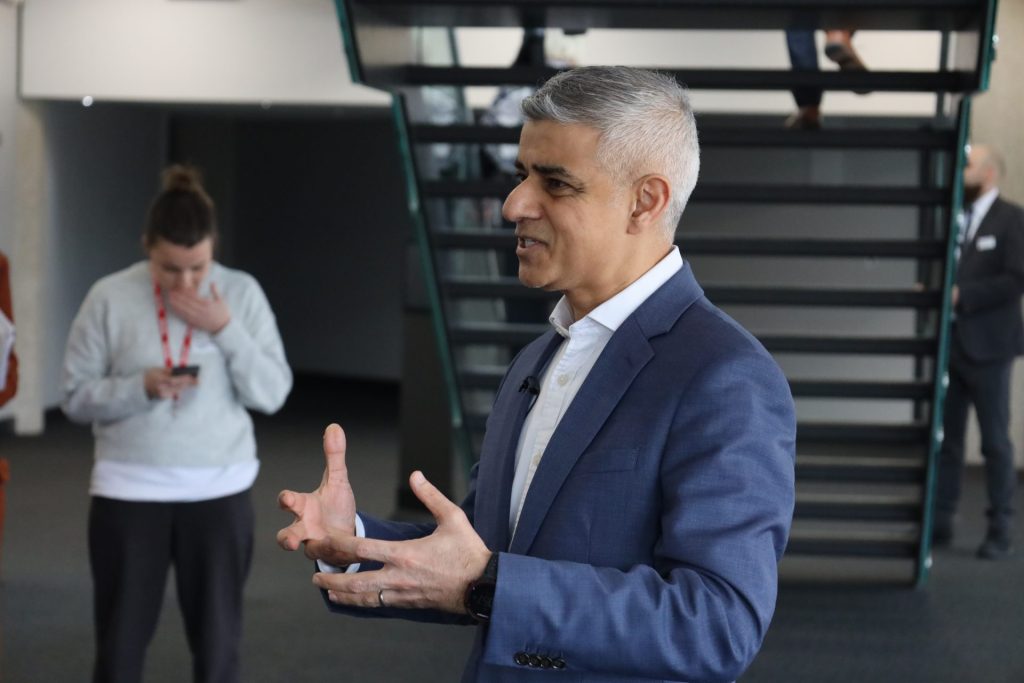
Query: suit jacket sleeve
x,y
700,609
1006,284
403,531
90,393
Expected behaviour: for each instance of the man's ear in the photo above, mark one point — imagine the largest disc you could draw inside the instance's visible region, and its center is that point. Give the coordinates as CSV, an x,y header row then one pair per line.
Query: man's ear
x,y
651,196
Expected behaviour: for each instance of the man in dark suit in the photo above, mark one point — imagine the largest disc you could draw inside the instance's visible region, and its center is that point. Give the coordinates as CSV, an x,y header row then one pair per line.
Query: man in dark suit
x,y
987,335
635,485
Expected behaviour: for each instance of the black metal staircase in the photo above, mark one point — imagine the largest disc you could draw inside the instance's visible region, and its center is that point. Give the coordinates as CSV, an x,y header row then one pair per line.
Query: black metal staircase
x,y
868,387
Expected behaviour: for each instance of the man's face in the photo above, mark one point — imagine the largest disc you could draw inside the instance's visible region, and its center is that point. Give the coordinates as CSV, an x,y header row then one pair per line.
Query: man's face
x,y
977,174
571,216
180,268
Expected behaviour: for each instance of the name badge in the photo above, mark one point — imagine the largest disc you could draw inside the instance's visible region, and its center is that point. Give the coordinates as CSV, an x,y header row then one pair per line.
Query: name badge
x,y
985,243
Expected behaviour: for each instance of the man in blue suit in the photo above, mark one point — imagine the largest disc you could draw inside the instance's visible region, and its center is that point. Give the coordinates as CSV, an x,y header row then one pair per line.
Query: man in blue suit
x,y
635,487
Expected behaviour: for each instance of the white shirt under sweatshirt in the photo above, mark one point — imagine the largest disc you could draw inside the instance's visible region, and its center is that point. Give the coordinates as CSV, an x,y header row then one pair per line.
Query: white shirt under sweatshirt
x,y
200,446
979,209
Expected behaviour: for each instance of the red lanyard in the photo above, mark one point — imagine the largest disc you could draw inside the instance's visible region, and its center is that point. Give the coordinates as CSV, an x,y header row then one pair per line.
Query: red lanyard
x,y
161,317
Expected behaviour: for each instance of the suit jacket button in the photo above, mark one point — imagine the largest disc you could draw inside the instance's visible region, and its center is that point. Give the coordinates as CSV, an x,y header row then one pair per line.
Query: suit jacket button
x,y
521,659
545,662
534,660
558,663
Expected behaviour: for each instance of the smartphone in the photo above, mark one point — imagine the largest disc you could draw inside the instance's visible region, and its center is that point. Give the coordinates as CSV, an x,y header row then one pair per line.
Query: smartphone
x,y
185,370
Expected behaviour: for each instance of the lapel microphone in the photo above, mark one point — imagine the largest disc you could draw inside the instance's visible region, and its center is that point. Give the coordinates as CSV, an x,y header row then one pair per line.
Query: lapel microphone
x,y
530,385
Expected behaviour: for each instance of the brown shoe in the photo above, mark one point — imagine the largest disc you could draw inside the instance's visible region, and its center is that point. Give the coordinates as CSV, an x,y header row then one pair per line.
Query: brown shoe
x,y
804,118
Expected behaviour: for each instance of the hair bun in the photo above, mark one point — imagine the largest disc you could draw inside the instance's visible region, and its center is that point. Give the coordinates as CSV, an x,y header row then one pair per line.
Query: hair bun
x,y
182,178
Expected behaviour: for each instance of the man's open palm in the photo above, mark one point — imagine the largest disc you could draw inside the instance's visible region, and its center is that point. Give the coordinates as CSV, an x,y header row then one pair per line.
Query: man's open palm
x,y
325,515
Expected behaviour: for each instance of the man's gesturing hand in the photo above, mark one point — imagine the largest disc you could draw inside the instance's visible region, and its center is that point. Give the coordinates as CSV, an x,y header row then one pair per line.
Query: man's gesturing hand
x,y
326,517
431,572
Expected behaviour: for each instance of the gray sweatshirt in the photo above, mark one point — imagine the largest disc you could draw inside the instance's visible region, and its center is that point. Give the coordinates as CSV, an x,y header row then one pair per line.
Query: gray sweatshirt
x,y
115,338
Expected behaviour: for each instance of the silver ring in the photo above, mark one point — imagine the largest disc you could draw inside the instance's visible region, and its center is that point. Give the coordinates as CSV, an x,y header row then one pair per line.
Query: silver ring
x,y
380,598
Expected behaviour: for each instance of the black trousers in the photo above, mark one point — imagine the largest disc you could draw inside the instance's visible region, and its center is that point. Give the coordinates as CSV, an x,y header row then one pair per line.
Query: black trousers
x,y
987,386
132,546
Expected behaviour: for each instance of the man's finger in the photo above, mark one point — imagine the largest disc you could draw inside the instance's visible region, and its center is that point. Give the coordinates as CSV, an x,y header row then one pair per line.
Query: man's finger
x,y
290,538
430,496
334,453
289,501
367,549
213,292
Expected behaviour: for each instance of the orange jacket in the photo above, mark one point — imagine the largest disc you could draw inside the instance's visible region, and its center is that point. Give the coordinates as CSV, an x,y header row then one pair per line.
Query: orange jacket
x,y
9,384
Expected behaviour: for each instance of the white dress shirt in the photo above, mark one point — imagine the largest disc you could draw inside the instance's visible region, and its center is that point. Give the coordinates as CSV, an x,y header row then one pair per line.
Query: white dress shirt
x,y
979,209
584,340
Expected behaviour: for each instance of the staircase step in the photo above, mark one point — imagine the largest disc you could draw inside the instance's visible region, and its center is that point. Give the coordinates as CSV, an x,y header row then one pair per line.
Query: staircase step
x,y
897,346
774,193
801,570
859,468
917,390
920,15
482,377
512,334
854,538
708,79
712,135
892,451
467,287
914,433
789,296
858,500
706,245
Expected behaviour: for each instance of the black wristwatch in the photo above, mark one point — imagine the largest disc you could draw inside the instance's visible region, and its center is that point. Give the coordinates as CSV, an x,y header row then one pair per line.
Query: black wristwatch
x,y
480,593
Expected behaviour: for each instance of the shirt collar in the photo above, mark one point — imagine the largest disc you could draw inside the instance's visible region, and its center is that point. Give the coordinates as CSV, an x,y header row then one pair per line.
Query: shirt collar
x,y
983,203
613,312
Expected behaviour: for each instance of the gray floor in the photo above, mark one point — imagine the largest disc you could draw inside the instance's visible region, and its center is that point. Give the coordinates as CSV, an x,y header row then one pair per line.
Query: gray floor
x,y
46,591
967,625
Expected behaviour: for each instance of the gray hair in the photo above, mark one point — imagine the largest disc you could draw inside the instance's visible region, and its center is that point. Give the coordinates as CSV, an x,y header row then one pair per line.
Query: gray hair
x,y
644,117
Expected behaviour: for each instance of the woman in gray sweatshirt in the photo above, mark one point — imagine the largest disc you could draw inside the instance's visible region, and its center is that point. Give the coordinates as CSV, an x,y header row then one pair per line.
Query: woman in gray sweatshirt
x,y
163,359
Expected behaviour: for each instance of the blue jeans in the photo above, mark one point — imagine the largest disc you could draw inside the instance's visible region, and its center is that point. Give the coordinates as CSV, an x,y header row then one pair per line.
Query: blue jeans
x,y
803,55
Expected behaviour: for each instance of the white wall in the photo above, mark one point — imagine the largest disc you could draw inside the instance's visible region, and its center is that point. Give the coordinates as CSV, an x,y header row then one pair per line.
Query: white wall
x,y
8,109
227,51
8,124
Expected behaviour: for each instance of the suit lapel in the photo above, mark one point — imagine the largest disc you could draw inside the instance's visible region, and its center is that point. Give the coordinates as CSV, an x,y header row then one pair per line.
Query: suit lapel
x,y
628,351
498,455
988,225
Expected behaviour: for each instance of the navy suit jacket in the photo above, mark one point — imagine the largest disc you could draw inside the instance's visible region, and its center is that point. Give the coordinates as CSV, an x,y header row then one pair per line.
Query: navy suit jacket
x,y
648,544
990,276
